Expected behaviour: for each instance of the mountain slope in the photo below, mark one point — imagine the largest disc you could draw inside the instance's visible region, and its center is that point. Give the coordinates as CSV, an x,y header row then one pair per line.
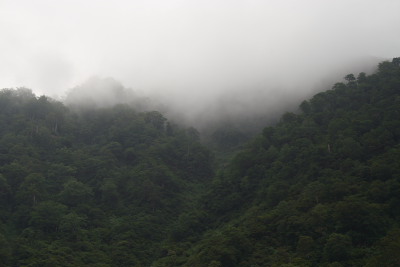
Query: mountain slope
x,y
321,188
117,187
96,189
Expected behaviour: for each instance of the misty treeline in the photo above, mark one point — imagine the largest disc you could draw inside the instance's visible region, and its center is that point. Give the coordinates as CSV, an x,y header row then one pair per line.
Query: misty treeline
x,y
224,121
115,186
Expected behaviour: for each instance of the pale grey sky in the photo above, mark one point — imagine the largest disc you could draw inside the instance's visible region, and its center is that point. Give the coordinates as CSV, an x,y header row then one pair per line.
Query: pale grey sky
x,y
190,50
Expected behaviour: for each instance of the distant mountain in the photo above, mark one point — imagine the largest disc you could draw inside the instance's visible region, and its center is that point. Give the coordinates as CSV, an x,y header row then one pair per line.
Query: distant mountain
x,y
99,92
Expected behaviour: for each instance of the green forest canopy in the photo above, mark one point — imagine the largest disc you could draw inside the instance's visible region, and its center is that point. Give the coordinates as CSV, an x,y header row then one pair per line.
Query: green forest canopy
x,y
118,187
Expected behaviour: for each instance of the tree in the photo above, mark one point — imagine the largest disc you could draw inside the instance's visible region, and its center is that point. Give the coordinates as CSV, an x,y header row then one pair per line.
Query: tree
x,y
305,107
155,119
32,189
387,251
362,77
75,193
396,61
48,215
5,192
351,80
5,251
338,247
72,222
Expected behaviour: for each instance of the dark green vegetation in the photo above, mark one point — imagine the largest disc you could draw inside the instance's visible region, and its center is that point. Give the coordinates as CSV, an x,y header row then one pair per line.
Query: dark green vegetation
x,y
114,187
96,189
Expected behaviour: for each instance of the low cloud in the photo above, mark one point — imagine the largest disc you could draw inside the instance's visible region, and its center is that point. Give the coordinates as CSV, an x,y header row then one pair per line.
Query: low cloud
x,y
233,57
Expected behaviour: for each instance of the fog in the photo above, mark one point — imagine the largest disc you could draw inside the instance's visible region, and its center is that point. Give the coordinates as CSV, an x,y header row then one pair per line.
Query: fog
x,y
197,58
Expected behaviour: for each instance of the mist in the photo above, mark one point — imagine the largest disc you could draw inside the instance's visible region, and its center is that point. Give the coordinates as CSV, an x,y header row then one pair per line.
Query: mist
x,y
198,61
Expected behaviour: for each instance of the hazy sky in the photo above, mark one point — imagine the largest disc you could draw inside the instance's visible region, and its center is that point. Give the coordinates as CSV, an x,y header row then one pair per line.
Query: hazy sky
x,y
191,50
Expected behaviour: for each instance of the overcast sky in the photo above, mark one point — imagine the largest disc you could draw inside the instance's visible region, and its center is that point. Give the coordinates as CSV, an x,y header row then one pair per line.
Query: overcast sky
x,y
195,50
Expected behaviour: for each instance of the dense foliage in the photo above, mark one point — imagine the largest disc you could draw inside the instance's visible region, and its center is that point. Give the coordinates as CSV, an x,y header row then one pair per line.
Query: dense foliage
x,y
96,189
321,188
117,187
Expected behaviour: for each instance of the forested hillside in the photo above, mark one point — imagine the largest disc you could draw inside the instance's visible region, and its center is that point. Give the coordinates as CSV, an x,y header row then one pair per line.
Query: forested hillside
x,y
320,188
118,187
96,189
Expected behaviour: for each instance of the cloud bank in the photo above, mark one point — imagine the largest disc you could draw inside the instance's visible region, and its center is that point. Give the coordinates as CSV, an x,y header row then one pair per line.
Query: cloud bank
x,y
195,54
